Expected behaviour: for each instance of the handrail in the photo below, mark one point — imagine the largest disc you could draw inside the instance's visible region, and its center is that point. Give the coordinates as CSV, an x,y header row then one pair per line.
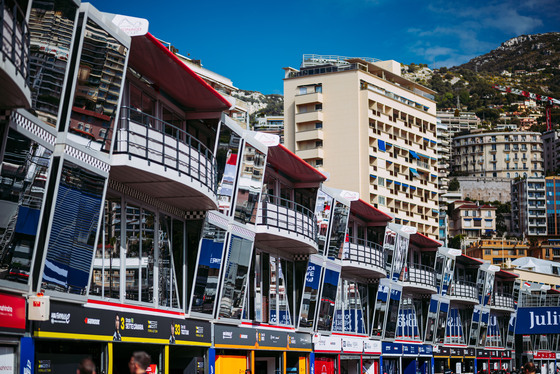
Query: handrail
x,y
152,139
502,300
538,300
464,289
276,211
14,35
364,252
420,274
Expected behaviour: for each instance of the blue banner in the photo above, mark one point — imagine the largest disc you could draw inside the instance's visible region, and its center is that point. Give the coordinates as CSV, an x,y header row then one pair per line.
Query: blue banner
x,y
211,360
27,355
542,320
454,325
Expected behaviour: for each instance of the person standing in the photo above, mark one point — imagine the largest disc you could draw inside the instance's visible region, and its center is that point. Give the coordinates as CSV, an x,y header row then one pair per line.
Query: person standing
x,y
139,362
530,368
86,366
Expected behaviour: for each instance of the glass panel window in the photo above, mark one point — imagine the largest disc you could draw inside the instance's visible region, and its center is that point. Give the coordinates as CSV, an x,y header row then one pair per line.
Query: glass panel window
x,y
338,229
105,279
327,301
279,306
208,270
310,295
73,230
249,185
23,176
51,27
235,278
226,159
99,80
167,284
323,215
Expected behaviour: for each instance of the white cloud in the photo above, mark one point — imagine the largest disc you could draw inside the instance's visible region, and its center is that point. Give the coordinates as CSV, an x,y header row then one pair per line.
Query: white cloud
x,y
462,31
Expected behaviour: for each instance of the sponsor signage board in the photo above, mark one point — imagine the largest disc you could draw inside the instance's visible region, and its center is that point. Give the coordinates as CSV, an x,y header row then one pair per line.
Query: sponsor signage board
x,y
323,343
544,355
12,313
271,338
425,350
120,325
410,349
391,348
232,335
372,346
541,320
352,344
299,341
482,353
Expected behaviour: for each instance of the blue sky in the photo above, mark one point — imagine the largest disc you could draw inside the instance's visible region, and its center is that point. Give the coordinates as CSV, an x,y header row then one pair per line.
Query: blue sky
x,y
251,41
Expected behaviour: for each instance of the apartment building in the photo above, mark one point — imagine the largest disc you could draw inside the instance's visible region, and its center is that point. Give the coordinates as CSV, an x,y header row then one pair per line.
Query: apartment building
x,y
472,220
371,129
528,207
499,154
457,121
501,251
271,125
553,205
444,157
551,151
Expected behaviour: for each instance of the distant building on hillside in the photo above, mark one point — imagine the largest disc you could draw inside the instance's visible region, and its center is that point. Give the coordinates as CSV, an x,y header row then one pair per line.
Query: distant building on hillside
x,y
464,121
528,207
551,151
498,154
271,125
471,220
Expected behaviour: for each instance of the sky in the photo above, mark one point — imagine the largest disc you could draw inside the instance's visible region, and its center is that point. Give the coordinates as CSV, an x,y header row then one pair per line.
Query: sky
x,y
251,41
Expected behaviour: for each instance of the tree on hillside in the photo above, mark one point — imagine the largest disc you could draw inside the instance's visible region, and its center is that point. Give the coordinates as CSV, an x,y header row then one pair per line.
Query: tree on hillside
x,y
454,185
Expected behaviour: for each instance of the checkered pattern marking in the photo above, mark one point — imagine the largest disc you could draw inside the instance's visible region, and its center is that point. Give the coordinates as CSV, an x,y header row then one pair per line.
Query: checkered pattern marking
x,y
4,115
217,219
128,191
236,230
84,157
195,215
33,128
301,257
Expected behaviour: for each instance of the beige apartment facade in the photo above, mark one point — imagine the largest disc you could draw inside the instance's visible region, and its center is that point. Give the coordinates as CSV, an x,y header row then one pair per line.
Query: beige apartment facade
x,y
371,130
499,154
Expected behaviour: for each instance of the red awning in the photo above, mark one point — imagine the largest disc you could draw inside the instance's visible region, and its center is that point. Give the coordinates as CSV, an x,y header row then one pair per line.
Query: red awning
x,y
284,160
424,242
464,259
153,61
506,274
368,212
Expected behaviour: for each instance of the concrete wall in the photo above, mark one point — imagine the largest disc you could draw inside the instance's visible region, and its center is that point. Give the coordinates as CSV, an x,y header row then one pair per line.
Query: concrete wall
x,y
487,189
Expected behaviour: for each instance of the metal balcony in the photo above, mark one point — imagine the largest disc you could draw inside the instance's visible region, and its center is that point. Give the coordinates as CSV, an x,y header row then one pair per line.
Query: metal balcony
x,y
14,61
464,291
363,258
286,225
419,276
502,301
160,159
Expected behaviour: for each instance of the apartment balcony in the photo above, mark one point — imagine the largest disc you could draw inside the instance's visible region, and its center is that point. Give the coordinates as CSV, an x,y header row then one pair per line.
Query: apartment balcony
x,y
286,226
363,258
314,116
302,136
419,278
502,302
463,291
423,165
14,61
163,161
310,98
312,153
